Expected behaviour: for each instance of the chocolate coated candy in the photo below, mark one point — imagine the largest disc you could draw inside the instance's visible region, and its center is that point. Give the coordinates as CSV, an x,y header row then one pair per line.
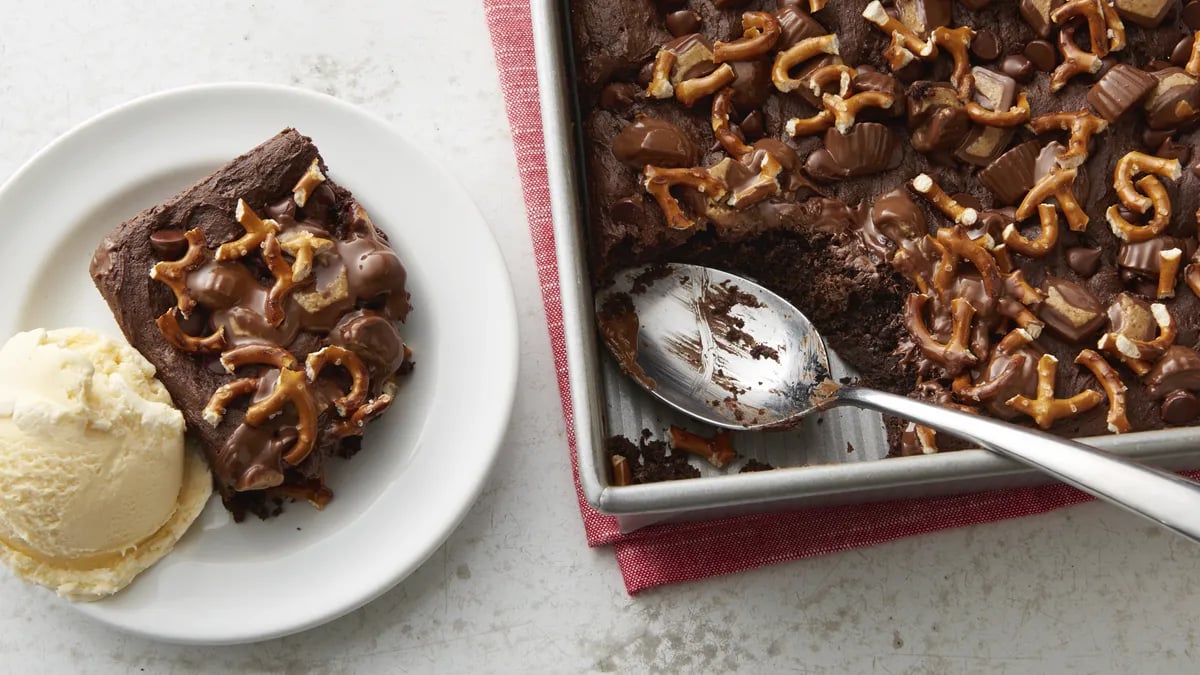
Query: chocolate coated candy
x,y
1179,368
986,45
1180,407
751,84
1130,316
922,16
866,149
1121,88
618,96
795,25
1147,13
1070,310
1175,100
1191,14
1142,259
1037,14
683,22
994,91
1083,261
648,140
936,117
1011,175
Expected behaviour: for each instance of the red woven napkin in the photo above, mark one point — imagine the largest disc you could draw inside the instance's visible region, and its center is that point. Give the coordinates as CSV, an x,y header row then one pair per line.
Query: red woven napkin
x,y
665,554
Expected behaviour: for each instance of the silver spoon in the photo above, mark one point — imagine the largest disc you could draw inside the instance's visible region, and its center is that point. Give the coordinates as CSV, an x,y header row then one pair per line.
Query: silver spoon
x,y
733,354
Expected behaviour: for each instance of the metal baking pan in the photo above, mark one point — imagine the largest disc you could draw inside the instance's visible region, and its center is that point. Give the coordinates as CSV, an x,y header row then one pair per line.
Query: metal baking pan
x,y
838,458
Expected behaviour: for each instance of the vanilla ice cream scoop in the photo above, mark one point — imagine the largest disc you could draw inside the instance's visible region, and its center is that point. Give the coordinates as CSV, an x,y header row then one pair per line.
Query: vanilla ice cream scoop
x,y
95,482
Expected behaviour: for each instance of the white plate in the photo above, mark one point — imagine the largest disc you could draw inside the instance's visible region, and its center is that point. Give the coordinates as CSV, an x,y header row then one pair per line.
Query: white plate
x,y
423,464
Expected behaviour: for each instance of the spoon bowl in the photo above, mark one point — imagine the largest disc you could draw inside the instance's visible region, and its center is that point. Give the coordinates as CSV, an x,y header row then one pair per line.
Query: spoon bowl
x,y
732,354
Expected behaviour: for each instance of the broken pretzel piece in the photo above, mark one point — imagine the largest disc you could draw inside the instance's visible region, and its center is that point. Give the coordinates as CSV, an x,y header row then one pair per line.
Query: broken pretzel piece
x,y
954,355
1082,125
957,243
717,450
760,33
1103,36
799,53
303,246
845,110
174,273
1168,272
722,105
256,228
986,390
359,377
1076,61
290,387
660,77
926,186
1046,239
1046,409
659,181
1057,183
1193,64
690,91
1143,350
175,336
956,41
829,74
1133,232
307,183
1013,117
1114,389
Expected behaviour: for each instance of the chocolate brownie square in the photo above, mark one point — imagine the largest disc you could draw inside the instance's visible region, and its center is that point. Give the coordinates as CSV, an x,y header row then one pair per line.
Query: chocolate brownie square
x,y
270,305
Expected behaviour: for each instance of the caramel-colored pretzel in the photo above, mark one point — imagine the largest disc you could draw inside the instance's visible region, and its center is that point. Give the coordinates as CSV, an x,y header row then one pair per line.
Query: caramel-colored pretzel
x,y
690,91
1168,272
1057,184
175,336
830,73
1046,239
927,187
904,40
285,280
1046,409
1093,12
659,181
291,387
1143,350
760,32
722,104
256,228
1082,125
954,354
307,183
985,390
174,273
1003,260
807,126
956,41
1021,315
1191,274
359,378
1013,117
1133,232
815,6
1076,61
365,413
1134,163
660,77
1018,287
1114,389
717,450
845,110
1116,27
956,243
303,247
797,54
1193,65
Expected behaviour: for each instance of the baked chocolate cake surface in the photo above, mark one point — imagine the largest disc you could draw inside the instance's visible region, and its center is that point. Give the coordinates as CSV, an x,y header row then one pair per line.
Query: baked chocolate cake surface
x,y
966,197
269,304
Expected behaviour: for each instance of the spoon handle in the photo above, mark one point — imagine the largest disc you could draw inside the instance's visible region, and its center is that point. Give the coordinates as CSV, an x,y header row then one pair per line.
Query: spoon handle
x,y
1163,497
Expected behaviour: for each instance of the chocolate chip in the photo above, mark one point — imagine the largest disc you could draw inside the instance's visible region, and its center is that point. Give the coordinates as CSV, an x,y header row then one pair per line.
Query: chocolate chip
x,y
1070,310
1121,88
1043,55
1145,13
1153,138
986,45
683,22
1174,150
1018,67
752,125
618,95
168,244
1083,261
1180,407
1191,15
629,210
648,140
1010,176
1182,51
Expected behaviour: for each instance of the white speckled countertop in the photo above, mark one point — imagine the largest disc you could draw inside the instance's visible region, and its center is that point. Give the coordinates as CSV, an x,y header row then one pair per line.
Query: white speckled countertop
x,y
515,589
